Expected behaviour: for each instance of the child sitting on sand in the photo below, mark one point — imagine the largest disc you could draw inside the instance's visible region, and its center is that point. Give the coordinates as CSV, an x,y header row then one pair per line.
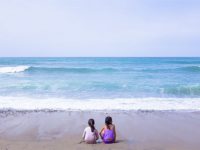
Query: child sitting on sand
x,y
108,133
90,134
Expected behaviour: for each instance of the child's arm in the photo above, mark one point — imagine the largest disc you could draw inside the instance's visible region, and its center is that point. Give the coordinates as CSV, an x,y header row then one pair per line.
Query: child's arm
x,y
114,133
97,134
83,136
101,133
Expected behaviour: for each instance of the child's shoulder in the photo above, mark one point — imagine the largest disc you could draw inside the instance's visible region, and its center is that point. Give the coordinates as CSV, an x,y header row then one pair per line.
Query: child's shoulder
x,y
87,128
113,126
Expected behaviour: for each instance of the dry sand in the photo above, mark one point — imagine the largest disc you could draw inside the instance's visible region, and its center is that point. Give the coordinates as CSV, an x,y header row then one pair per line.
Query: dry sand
x,y
137,130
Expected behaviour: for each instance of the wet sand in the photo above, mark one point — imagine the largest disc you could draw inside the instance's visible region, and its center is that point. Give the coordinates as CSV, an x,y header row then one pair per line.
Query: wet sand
x,y
61,130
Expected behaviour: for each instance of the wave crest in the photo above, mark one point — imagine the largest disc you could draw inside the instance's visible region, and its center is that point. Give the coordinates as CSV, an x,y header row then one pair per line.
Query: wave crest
x,y
13,69
71,70
30,69
190,68
146,104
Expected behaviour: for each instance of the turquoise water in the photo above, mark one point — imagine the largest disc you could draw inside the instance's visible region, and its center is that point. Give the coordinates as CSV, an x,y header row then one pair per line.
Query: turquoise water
x,y
100,78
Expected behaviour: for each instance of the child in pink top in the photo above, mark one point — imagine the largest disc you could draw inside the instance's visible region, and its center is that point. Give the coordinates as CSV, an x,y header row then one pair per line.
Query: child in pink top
x,y
90,134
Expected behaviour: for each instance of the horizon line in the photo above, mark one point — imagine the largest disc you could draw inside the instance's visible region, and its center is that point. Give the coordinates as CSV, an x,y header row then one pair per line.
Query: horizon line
x,y
99,56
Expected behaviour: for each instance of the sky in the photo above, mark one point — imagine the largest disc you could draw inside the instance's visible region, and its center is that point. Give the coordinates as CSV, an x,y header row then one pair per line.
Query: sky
x,y
99,28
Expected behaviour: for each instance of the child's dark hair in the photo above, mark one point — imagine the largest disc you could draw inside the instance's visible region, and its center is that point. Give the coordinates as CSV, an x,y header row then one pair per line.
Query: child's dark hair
x,y
108,121
91,124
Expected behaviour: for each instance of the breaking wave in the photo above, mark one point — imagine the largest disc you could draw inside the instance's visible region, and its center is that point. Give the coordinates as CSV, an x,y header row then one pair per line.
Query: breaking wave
x,y
15,69
163,104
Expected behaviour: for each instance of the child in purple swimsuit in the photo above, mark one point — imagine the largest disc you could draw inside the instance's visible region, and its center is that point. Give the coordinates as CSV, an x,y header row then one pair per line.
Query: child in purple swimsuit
x,y
108,133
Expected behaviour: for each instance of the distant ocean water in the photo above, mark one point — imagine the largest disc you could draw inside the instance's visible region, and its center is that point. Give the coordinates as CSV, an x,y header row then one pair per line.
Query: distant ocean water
x,y
100,83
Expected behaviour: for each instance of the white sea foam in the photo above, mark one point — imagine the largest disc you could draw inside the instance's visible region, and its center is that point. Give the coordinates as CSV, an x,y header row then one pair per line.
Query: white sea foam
x,y
25,103
13,69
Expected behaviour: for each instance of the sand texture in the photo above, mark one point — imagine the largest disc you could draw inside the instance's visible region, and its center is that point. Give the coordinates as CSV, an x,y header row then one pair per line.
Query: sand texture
x,y
136,130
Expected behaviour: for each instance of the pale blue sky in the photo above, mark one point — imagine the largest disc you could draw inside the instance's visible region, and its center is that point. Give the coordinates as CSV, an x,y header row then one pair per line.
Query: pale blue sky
x,y
99,28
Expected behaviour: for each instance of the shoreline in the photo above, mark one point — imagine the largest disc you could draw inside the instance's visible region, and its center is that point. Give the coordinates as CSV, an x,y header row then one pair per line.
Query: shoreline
x,y
152,130
118,104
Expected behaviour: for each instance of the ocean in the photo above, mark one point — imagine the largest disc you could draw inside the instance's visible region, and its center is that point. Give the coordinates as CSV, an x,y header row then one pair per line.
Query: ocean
x,y
101,83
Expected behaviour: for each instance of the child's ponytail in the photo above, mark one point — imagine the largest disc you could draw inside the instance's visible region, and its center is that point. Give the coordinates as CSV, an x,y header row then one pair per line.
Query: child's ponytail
x,y
91,124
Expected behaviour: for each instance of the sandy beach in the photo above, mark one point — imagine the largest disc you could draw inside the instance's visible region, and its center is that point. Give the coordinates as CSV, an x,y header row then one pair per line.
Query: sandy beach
x,y
138,130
